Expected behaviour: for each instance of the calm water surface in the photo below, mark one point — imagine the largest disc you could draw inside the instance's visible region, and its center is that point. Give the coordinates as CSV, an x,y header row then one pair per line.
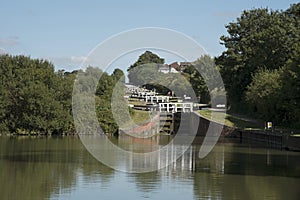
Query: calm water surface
x,y
61,168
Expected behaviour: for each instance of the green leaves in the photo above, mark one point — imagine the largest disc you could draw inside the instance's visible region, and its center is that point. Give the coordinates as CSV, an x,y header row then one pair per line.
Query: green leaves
x,y
260,66
33,97
145,70
263,93
146,58
110,90
258,39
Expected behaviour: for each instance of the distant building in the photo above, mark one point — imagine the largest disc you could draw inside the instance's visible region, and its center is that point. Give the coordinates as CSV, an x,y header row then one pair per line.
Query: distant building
x,y
174,67
167,69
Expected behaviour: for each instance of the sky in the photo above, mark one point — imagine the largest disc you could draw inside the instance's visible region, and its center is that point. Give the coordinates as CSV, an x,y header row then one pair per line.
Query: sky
x,y
65,32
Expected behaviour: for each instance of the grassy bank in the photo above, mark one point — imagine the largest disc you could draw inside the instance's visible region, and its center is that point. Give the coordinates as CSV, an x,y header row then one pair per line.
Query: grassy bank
x,y
138,117
230,120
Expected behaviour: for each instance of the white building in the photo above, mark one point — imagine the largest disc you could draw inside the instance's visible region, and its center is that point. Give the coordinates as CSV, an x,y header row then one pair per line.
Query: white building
x,y
167,69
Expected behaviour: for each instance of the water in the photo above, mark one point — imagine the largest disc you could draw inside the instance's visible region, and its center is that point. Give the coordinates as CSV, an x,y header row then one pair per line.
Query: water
x,y
61,168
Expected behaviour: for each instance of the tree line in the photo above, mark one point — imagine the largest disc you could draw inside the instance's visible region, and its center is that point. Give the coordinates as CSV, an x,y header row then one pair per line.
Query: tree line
x,y
261,64
260,69
190,81
36,99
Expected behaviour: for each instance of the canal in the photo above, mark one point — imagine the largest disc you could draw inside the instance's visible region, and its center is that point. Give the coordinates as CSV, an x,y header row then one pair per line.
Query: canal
x,y
61,168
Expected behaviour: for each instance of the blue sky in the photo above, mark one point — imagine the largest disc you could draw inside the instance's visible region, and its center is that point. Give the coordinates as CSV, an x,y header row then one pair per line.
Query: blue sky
x,y
66,31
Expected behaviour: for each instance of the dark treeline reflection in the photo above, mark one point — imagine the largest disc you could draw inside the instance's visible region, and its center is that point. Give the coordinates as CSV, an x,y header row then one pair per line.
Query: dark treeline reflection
x,y
234,172
43,168
35,168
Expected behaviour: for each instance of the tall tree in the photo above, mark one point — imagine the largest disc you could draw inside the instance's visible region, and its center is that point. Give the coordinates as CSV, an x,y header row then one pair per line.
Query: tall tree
x,y
261,64
145,58
258,39
145,69
118,75
263,93
33,97
193,74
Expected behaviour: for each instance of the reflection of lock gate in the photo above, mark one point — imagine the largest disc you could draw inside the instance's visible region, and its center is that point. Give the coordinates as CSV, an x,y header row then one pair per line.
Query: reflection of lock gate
x,y
169,41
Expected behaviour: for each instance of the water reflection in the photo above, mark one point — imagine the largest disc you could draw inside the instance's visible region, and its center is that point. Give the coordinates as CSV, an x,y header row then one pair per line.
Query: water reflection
x,y
35,168
136,155
60,168
232,172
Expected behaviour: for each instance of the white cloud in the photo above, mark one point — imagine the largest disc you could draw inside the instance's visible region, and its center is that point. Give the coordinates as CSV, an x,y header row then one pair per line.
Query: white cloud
x,y
9,41
77,59
67,63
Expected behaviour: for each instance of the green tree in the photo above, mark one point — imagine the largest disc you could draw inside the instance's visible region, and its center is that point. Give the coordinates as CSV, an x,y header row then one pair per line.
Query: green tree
x,y
290,94
263,93
258,39
146,58
118,75
145,69
94,91
199,74
34,99
261,66
145,74
107,86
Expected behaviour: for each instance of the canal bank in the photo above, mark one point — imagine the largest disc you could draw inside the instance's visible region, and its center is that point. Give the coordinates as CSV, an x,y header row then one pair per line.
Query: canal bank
x,y
268,138
179,116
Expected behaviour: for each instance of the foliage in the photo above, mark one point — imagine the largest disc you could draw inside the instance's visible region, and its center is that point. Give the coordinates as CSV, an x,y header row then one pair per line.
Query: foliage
x,y
118,75
197,83
145,58
202,76
259,39
145,72
260,66
34,98
98,91
262,94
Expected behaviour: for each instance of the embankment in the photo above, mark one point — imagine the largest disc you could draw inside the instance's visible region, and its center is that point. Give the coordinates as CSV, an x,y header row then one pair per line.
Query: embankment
x,y
271,139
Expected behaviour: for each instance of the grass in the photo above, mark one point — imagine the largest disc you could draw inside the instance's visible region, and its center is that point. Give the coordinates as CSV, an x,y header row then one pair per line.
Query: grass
x,y
296,135
138,117
230,120
137,102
